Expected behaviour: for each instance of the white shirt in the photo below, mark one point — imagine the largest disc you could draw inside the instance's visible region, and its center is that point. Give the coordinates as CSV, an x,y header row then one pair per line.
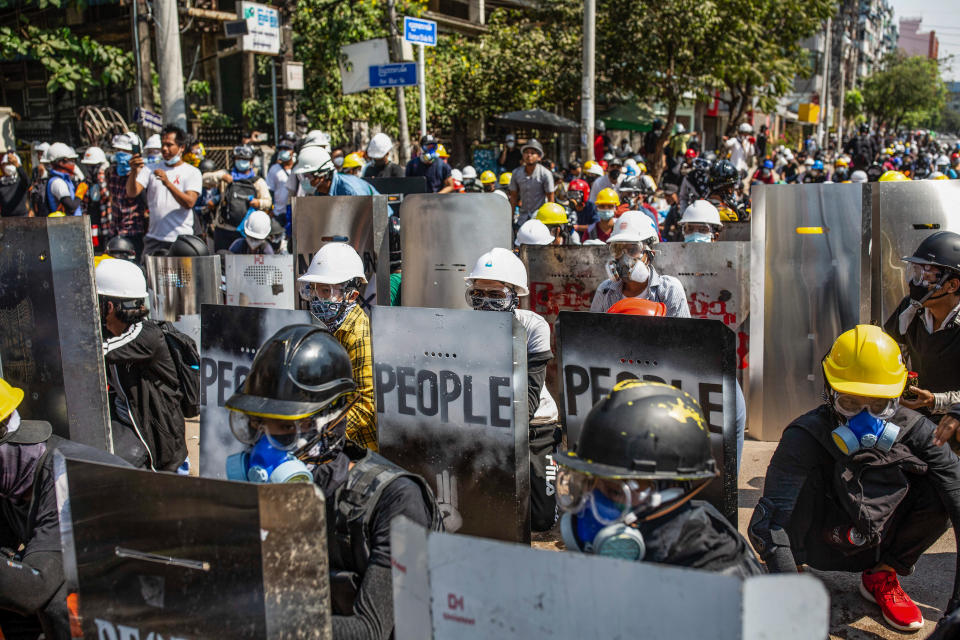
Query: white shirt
x,y
276,176
167,218
538,341
741,153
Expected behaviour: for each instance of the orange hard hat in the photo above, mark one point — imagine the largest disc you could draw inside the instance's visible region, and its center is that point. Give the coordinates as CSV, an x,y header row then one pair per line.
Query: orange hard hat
x,y
639,307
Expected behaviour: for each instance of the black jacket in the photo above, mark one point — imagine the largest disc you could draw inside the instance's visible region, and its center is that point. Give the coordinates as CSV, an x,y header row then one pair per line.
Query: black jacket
x,y
143,380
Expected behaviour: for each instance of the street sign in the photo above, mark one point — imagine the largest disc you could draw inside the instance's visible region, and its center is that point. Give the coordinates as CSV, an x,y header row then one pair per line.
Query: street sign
x,y
403,74
148,119
293,76
356,60
263,26
419,31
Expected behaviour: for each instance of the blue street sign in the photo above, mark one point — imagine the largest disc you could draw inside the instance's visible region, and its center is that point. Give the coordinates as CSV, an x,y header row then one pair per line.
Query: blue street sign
x,y
403,74
420,31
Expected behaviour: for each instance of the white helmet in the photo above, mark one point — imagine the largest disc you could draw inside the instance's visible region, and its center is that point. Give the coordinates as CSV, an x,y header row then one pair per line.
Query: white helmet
x,y
500,264
313,159
153,142
469,173
595,170
122,141
936,175
533,232
60,151
379,146
943,161
858,176
317,138
456,175
334,263
703,212
120,279
634,226
40,147
808,162
594,242
788,154
745,127
257,225
93,155
501,192
680,128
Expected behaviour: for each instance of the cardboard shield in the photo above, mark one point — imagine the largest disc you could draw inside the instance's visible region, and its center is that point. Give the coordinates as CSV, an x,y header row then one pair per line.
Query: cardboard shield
x,y
441,237
230,339
597,350
460,587
179,286
181,557
260,281
397,188
360,221
50,344
452,406
561,278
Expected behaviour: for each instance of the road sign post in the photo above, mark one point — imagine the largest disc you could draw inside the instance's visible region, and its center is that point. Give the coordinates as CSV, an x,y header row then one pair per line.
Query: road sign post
x,y
393,75
423,33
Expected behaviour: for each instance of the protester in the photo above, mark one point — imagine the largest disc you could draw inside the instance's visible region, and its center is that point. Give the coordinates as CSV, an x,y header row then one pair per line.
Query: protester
x,y
701,223
128,216
378,150
62,198
322,179
510,157
606,206
531,185
352,165
241,191
741,149
254,230
279,174
14,187
429,165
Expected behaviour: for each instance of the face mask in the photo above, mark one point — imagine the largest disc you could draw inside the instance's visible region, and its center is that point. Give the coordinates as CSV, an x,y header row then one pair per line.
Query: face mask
x,y
484,303
698,237
285,156
172,161
511,144
627,267
606,214
152,160
122,159
242,165
266,463
308,189
863,431
330,313
254,243
614,174
588,532
338,162
428,156
9,170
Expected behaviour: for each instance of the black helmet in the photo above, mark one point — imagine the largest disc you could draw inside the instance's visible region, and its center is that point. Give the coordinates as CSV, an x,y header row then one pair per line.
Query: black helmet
x,y
243,151
300,371
644,430
120,247
207,165
630,185
187,246
864,127
393,227
428,140
941,248
723,174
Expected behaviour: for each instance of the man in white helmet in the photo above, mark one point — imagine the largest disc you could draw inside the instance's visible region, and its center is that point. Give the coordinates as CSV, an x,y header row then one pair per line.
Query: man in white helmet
x,y
254,231
496,283
331,286
740,148
145,410
61,192
128,216
470,182
632,274
534,232
701,222
378,150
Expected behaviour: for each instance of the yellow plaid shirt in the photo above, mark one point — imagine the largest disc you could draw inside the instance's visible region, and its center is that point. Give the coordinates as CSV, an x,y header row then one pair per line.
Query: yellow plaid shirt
x,y
354,335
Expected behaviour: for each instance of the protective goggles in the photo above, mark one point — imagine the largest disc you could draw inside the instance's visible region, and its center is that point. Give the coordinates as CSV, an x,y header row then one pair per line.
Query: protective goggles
x,y
285,435
243,152
576,491
632,249
310,290
849,405
697,227
499,293
921,274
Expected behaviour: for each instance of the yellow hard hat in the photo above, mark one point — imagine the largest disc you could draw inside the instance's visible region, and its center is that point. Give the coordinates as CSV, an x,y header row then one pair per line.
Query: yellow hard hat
x,y
888,151
552,213
10,398
488,177
940,177
588,164
442,152
727,214
841,162
865,361
352,160
100,258
642,167
505,178
893,176
57,214
608,196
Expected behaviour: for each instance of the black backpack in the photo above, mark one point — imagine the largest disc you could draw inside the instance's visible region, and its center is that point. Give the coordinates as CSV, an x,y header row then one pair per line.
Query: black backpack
x,y
234,203
186,359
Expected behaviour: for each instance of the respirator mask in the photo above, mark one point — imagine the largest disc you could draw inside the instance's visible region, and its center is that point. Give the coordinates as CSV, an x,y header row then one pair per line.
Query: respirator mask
x,y
501,299
865,422
627,263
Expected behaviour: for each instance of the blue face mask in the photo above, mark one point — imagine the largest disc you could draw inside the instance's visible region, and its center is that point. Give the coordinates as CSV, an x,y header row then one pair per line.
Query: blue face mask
x,y
698,237
242,165
585,532
172,161
122,159
285,156
863,431
606,214
266,463
152,160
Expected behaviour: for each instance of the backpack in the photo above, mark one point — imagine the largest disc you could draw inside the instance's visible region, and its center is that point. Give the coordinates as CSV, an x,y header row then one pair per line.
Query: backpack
x,y
234,203
186,359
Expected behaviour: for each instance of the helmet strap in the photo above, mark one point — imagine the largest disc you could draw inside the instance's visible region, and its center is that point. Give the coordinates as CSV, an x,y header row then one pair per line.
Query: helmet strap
x,y
673,506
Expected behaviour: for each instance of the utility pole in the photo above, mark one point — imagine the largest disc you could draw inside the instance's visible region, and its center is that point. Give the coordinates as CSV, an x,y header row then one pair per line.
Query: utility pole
x,y
587,106
141,54
395,56
824,125
169,63
422,79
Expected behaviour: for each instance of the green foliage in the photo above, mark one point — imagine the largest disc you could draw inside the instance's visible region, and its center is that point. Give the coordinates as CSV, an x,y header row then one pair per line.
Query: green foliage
x,y
853,105
257,114
198,89
907,91
76,64
210,117
949,121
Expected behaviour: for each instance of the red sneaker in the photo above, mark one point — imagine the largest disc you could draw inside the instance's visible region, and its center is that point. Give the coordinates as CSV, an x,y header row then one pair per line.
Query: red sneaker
x,y
898,609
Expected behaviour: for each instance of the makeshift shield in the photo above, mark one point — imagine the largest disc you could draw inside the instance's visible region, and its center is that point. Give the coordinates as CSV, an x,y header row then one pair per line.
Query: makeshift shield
x,y
360,221
50,344
598,350
736,231
460,587
452,406
561,278
441,237
230,339
180,557
397,188
810,282
179,286
260,281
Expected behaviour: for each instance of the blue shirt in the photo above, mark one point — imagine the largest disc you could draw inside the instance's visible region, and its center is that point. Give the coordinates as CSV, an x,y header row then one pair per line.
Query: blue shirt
x,y
347,185
436,172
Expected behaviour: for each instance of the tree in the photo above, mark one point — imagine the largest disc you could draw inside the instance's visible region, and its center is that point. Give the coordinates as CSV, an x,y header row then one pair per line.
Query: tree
x,y
853,105
949,121
907,91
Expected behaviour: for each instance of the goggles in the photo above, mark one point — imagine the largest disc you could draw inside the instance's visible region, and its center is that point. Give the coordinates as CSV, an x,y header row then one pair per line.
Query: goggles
x,y
849,405
697,227
920,274
285,435
499,293
310,290
243,152
632,249
576,491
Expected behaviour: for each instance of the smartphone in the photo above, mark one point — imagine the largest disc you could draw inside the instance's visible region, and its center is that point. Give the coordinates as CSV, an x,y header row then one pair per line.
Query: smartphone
x,y
136,150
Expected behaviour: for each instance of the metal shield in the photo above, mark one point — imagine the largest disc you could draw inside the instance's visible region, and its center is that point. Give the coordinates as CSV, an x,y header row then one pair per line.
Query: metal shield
x,y
904,213
260,281
50,344
181,557
397,188
452,406
597,350
360,221
810,282
230,339
736,231
178,286
441,237
561,278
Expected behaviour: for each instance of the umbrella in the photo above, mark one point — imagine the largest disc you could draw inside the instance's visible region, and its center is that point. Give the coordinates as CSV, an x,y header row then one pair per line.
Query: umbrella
x,y
539,119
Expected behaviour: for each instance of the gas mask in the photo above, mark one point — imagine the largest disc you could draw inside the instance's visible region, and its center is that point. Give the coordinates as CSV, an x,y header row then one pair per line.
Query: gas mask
x,y
429,156
242,165
628,267
503,299
865,423
266,463
9,170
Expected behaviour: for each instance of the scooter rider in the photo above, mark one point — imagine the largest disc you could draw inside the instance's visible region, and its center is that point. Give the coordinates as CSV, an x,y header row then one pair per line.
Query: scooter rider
x,y
627,487
292,412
